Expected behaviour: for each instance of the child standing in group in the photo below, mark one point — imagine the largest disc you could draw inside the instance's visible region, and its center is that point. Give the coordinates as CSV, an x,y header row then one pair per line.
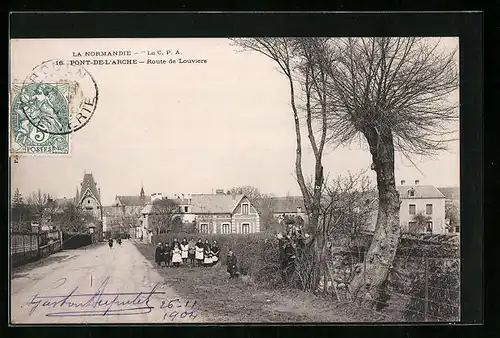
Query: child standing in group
x,y
176,254
191,253
184,251
215,253
159,254
207,254
199,252
168,254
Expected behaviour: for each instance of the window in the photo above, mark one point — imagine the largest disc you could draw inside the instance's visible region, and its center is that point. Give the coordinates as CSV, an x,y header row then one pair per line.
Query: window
x,y
411,193
204,228
429,227
244,209
186,209
245,228
226,228
428,209
180,209
412,209
412,226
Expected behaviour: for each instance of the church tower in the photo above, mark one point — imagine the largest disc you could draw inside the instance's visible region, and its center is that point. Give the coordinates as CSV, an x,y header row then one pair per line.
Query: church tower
x,y
142,195
89,198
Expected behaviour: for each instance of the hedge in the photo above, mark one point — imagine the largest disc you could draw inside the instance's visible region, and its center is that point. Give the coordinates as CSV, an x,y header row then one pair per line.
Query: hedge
x,y
258,256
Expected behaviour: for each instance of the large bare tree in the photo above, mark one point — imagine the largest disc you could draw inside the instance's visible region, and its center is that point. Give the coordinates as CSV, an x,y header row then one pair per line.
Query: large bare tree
x,y
397,94
307,85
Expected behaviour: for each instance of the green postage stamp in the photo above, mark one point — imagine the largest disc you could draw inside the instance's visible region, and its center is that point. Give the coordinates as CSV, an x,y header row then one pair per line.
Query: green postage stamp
x,y
39,114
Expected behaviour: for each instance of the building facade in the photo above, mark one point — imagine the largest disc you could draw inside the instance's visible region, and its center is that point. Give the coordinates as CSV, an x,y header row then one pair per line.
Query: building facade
x,y
124,215
419,203
213,213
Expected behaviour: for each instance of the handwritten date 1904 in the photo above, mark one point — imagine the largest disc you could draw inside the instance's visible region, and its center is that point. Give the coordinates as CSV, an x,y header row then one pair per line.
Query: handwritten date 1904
x,y
174,309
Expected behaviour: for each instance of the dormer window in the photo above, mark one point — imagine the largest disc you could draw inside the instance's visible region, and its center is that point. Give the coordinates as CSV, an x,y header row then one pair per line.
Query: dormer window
x,y
299,210
411,193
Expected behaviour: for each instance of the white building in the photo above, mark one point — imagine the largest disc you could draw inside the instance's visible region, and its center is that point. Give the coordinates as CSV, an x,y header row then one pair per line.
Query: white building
x,y
423,200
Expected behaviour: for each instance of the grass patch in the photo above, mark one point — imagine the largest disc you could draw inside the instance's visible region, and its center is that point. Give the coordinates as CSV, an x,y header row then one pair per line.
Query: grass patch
x,y
243,300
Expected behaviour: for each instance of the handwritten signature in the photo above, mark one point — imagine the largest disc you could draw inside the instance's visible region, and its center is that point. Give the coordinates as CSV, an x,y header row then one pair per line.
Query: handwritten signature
x,y
102,303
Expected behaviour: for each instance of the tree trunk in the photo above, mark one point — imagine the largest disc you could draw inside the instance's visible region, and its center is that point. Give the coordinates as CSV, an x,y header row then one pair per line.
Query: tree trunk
x,y
382,251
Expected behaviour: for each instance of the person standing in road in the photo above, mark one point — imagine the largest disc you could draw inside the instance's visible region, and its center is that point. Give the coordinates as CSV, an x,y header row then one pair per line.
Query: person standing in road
x,y
110,243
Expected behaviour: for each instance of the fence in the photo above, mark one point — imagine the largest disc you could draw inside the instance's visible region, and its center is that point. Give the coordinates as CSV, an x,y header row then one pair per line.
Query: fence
x,y
26,247
419,287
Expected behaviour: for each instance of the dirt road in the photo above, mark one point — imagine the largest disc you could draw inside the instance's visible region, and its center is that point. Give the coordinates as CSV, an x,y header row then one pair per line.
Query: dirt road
x,y
99,285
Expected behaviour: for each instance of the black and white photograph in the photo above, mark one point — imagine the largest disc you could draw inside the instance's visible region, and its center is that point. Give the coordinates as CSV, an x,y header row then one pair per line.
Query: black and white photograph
x,y
235,180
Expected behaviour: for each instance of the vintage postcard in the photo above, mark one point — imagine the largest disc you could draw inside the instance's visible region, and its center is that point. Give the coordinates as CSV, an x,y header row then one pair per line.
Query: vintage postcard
x,y
235,180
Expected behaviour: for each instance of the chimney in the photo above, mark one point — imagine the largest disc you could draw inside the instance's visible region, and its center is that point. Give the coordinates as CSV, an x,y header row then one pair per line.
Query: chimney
x,y
403,182
417,182
219,191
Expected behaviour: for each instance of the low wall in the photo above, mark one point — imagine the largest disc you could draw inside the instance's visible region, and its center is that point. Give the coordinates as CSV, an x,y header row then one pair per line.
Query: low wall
x,y
76,240
29,247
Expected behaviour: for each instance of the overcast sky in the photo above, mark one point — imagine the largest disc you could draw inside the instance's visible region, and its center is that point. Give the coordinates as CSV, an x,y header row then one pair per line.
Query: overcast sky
x,y
190,128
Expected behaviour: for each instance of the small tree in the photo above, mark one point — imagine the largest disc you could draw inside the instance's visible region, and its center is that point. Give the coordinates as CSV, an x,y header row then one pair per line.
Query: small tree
x,y
19,214
162,214
452,213
420,223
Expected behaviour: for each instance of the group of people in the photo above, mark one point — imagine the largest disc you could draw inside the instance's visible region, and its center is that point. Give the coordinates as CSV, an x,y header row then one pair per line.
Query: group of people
x,y
194,254
187,253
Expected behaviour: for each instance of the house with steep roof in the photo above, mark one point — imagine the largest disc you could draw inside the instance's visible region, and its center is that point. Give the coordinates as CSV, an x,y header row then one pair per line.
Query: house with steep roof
x,y
214,213
89,197
225,214
418,199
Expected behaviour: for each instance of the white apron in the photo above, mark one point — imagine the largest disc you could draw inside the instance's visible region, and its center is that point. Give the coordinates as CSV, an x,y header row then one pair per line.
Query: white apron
x,y
214,257
207,260
176,257
184,249
199,253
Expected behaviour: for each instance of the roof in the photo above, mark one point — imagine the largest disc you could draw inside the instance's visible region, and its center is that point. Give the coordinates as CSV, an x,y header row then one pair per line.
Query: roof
x,y
451,193
60,202
181,201
421,191
287,204
133,200
214,203
88,183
